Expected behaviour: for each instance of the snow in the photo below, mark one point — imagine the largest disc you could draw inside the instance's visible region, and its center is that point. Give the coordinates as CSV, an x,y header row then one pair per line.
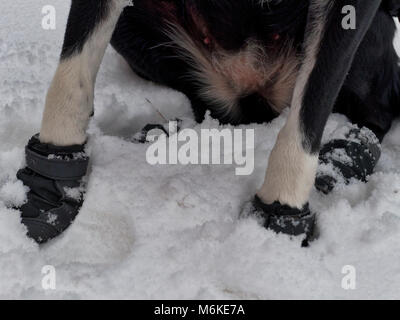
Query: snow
x,y
172,231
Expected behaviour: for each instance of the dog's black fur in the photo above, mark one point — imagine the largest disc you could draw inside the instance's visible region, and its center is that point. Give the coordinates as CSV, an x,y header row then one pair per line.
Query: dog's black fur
x,y
83,18
369,97
231,23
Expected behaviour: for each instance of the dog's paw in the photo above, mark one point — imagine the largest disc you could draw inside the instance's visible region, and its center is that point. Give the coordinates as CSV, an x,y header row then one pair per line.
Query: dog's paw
x,y
283,219
354,156
54,176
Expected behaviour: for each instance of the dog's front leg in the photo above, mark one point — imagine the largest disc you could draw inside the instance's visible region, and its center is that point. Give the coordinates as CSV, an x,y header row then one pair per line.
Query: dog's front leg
x,y
69,102
328,54
56,159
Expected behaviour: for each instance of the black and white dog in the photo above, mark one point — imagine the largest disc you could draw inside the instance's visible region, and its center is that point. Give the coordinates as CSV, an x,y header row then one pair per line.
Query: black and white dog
x,y
245,61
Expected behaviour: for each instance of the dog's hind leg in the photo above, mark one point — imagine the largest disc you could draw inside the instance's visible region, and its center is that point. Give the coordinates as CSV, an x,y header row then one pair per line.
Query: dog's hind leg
x,y
370,100
56,159
328,55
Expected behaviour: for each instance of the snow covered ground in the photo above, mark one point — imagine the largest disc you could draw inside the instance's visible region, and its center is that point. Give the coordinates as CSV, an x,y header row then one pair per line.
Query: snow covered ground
x,y
173,231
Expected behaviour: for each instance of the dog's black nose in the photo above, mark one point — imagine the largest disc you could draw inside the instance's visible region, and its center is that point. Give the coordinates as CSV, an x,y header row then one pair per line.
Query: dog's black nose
x,y
252,99
256,109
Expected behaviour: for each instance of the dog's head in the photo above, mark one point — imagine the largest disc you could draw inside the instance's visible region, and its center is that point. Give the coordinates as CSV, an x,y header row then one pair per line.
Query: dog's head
x,y
243,53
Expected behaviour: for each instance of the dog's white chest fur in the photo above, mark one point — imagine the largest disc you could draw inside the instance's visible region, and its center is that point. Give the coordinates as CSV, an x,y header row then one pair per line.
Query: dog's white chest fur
x,y
225,77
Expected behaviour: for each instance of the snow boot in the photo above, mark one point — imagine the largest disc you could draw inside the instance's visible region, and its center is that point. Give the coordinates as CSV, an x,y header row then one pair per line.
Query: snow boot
x,y
54,175
151,130
353,157
284,219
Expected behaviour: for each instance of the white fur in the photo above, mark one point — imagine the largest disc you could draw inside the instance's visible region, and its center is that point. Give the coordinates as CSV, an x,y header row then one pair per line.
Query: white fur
x,y
69,102
225,77
291,169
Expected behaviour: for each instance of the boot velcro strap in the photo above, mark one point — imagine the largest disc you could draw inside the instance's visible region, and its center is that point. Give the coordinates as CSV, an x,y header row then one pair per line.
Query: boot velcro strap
x,y
56,168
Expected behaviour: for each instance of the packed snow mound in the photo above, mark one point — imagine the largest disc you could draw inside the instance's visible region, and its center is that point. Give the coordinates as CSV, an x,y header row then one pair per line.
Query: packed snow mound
x,y
172,231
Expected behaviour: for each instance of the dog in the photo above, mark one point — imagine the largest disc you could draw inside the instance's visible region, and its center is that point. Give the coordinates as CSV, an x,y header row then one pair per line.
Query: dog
x,y
244,61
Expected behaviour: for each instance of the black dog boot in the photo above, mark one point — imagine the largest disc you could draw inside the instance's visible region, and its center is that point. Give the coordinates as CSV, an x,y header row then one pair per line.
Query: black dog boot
x,y
353,157
144,136
54,176
284,219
